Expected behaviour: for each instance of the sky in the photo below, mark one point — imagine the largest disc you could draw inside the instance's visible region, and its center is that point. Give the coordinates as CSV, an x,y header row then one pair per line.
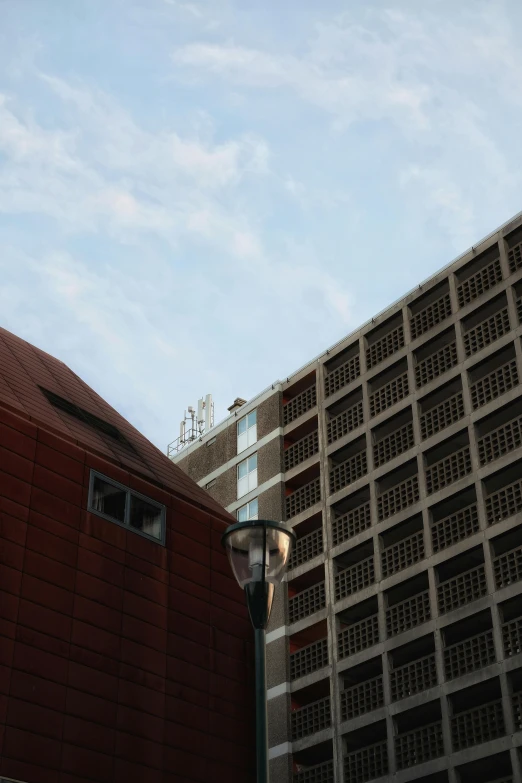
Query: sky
x,y
200,197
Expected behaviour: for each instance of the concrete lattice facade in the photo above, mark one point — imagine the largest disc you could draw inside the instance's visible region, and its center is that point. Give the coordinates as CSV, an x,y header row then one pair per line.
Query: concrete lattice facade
x,y
395,646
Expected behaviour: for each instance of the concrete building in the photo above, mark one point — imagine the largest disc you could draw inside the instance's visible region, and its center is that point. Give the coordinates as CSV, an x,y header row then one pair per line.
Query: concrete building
x,y
126,653
395,647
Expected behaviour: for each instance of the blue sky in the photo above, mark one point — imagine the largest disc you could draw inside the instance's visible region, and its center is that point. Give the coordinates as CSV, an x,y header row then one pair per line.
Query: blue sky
x,y
201,196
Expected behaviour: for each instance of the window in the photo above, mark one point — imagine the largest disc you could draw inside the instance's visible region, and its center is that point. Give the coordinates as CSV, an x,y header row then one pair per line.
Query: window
x,y
119,504
248,511
247,475
246,431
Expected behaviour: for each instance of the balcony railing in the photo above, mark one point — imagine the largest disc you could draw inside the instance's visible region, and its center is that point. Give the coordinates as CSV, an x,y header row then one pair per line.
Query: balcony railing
x,y
345,422
512,637
319,773
413,677
500,441
366,763
408,613
350,524
475,285
299,404
389,394
515,257
442,415
306,602
508,567
342,376
516,701
385,346
303,498
358,636
348,471
518,305
402,495
487,332
419,745
447,470
455,527
504,502
311,718
301,450
436,364
403,554
356,577
477,725
432,315
392,445
470,654
306,548
462,589
493,385
309,659
361,698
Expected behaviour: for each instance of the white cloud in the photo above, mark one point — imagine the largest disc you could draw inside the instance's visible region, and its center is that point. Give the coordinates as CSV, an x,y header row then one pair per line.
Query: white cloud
x,y
119,144
190,8
115,331
420,71
145,340
99,171
114,175
26,141
442,196
202,13
348,93
185,249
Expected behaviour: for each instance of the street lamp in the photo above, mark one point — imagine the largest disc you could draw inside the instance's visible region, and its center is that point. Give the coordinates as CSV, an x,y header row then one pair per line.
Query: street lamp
x,y
259,551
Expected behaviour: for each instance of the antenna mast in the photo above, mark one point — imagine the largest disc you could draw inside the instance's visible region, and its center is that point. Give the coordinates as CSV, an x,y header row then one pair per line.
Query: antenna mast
x,y
193,424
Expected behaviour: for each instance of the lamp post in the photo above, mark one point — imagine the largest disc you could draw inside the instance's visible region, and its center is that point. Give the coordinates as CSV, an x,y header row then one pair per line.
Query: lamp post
x,y
259,551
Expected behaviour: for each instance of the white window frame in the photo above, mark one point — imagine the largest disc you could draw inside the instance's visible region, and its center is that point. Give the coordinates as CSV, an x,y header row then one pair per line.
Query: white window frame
x,y
129,493
249,514
248,482
248,436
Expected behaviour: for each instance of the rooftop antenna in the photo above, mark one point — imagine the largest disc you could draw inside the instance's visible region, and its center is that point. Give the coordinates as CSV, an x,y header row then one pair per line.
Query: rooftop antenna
x,y
209,412
193,424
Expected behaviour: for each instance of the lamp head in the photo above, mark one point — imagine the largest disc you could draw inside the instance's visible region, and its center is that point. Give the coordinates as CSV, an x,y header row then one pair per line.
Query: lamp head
x,y
258,551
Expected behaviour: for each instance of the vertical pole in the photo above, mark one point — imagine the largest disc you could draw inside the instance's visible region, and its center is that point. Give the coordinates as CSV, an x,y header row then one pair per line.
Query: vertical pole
x,y
261,711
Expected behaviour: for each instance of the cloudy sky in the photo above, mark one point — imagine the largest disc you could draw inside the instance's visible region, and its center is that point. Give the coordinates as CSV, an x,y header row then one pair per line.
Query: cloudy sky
x,y
200,196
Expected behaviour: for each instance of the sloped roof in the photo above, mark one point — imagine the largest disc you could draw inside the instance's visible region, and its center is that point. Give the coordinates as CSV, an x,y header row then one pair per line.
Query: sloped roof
x,y
26,370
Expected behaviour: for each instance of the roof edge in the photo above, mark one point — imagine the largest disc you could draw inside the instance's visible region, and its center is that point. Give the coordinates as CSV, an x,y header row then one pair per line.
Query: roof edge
x,y
225,516
326,351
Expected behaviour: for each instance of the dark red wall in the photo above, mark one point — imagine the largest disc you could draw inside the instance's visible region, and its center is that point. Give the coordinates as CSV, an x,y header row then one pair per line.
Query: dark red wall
x,y
120,660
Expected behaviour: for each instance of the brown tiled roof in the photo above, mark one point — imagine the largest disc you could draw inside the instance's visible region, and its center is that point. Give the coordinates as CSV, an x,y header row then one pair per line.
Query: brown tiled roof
x,y
26,370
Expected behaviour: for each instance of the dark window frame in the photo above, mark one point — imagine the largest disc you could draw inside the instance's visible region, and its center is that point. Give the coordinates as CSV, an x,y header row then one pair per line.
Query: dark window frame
x,y
129,493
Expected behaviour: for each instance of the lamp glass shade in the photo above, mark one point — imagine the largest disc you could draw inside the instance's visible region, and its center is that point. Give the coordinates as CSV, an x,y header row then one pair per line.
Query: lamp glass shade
x,y
255,547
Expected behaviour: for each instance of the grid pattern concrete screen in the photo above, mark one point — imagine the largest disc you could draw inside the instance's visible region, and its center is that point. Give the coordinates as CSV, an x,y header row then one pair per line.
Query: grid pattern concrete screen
x,y
402,608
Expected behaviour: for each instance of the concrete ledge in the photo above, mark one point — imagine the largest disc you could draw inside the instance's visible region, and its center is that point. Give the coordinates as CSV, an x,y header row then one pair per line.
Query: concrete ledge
x,y
277,634
278,690
280,750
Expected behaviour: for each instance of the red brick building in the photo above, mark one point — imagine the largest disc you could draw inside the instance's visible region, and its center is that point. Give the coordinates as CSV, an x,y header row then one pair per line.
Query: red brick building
x,y
125,651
